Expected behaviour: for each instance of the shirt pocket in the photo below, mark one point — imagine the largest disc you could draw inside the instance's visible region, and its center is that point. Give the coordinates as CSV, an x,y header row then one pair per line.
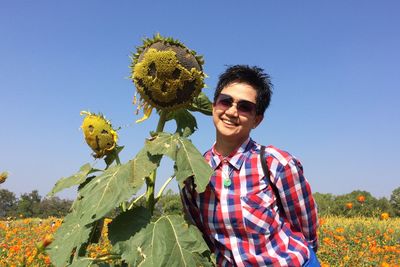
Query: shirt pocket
x,y
259,212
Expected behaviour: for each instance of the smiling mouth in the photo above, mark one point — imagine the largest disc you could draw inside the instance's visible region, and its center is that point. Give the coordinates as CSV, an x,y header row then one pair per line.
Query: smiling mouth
x,y
228,122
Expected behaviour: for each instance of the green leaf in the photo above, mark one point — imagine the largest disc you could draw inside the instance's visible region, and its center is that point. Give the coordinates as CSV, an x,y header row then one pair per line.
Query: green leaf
x,y
169,241
202,104
144,163
185,122
127,224
105,192
163,144
70,235
110,158
190,162
72,180
82,263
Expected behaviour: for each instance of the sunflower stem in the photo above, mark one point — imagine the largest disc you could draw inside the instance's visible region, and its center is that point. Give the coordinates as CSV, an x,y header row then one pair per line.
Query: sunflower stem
x,y
161,121
163,187
151,180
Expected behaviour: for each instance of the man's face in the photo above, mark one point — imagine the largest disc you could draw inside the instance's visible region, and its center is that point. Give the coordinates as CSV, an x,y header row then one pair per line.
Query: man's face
x,y
234,121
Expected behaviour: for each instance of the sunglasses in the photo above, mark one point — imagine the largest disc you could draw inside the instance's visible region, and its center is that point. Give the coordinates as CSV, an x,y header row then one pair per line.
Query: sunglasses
x,y
243,107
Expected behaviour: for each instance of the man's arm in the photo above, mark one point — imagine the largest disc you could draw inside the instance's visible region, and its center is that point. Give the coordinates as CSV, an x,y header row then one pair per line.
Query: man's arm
x,y
297,200
192,211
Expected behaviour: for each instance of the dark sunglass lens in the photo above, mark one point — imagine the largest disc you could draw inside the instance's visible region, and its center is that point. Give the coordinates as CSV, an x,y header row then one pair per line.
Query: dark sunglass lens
x,y
225,100
245,106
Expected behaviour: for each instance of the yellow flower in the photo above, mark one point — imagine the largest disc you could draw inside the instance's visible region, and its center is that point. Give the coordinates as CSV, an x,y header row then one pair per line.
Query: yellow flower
x,y
167,75
3,177
99,134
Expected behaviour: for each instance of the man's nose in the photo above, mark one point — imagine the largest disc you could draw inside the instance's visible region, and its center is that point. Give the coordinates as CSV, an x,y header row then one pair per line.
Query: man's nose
x,y
232,110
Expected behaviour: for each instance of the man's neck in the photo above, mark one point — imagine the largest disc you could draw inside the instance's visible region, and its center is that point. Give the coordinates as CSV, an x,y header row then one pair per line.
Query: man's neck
x,y
226,147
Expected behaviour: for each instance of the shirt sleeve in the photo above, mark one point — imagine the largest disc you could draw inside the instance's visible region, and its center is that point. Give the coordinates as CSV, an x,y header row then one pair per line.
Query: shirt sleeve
x,y
297,200
191,209
188,202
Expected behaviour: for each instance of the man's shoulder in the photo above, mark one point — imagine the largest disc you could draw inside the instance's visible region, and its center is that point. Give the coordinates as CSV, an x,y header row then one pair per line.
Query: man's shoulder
x,y
282,156
208,154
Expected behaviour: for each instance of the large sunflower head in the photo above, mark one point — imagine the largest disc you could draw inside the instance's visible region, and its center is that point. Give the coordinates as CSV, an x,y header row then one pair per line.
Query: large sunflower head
x,y
99,134
167,75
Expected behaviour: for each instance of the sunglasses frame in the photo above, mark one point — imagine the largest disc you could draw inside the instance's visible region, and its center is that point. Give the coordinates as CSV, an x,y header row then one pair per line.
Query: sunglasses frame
x,y
243,107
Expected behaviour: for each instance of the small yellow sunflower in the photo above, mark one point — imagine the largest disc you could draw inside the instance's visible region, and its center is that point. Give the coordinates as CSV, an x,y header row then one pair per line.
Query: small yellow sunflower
x,y
3,177
167,75
99,134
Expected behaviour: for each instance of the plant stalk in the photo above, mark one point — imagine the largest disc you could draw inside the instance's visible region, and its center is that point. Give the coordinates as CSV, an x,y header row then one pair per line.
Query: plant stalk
x,y
163,187
151,180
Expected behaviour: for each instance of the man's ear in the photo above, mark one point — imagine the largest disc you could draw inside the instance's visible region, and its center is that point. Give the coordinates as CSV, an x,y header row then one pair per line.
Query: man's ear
x,y
257,120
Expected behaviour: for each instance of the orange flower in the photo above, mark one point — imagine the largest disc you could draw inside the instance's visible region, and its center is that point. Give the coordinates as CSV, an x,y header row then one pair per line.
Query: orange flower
x,y
361,199
385,216
340,230
349,205
47,240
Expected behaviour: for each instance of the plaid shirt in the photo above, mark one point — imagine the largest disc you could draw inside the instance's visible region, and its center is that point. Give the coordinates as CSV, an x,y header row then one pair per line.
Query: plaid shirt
x,y
241,222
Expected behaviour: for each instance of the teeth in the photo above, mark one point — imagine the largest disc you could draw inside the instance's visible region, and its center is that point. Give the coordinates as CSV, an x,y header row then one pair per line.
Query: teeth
x,y
229,122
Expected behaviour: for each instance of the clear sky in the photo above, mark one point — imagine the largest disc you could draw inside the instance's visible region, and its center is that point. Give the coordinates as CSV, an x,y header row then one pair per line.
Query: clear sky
x,y
335,66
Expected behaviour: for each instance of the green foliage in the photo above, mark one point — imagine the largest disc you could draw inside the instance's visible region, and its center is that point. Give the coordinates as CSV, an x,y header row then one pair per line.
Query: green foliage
x,y
101,195
8,203
169,204
189,161
69,237
141,232
101,192
395,201
29,204
122,228
348,205
325,202
167,241
54,207
201,104
32,205
72,180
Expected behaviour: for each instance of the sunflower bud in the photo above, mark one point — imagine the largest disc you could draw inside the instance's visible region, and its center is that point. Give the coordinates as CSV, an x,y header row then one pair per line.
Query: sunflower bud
x,y
167,75
3,177
99,134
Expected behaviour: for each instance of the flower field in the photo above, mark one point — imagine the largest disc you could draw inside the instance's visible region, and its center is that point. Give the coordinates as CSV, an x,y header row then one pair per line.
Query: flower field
x,y
343,242
359,241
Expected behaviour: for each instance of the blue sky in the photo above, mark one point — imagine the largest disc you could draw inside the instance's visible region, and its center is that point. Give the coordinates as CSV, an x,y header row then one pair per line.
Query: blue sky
x,y
334,65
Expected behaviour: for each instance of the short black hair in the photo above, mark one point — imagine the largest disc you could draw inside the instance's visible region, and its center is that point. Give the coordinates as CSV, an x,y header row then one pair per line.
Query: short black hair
x,y
251,75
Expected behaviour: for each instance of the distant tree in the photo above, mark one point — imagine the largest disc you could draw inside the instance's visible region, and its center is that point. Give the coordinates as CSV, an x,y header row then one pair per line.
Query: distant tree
x,y
169,204
395,201
55,207
29,204
8,203
325,203
356,203
383,206
363,204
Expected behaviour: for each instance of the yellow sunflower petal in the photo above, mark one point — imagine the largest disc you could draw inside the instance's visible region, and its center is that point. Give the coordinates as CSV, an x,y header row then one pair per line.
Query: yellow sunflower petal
x,y
147,112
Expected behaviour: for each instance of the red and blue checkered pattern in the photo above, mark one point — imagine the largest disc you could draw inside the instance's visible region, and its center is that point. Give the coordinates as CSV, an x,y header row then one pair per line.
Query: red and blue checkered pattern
x,y
241,222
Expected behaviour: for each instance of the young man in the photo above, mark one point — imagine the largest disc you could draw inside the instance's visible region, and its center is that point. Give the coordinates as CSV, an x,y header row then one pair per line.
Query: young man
x,y
238,212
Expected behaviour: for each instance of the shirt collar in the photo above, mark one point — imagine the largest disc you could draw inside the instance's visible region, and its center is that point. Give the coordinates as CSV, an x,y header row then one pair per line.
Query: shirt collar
x,y
236,158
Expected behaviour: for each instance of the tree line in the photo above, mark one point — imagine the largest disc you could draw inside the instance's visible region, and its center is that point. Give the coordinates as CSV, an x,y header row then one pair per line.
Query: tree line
x,y
31,205
356,203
